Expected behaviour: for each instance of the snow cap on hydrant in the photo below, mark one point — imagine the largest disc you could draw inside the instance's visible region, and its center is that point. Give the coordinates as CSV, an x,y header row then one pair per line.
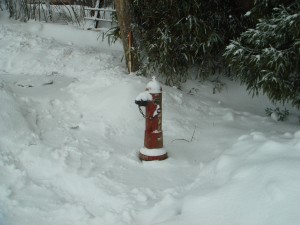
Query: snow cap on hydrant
x,y
153,86
151,99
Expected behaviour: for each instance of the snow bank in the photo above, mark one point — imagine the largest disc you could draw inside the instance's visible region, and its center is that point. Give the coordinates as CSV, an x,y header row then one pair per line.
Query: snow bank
x,y
254,182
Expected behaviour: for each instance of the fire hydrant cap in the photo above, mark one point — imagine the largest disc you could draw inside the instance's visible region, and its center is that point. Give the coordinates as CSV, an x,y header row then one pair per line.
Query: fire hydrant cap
x,y
153,86
144,96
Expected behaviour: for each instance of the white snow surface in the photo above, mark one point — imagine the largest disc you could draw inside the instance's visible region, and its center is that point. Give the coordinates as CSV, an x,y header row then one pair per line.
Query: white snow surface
x,y
153,86
70,134
153,151
144,96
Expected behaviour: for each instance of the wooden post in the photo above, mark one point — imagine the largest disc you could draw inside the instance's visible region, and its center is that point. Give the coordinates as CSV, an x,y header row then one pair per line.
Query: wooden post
x,y
124,19
97,14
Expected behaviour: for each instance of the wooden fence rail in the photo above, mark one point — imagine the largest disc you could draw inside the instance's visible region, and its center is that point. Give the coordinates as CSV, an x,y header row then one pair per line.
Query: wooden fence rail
x,y
102,12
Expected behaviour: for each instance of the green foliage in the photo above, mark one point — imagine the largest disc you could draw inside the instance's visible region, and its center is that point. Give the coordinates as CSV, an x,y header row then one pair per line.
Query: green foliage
x,y
280,115
267,58
263,9
113,34
172,35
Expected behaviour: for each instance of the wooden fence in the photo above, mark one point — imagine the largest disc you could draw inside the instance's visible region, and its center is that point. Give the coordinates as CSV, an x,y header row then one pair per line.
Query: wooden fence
x,y
72,2
101,13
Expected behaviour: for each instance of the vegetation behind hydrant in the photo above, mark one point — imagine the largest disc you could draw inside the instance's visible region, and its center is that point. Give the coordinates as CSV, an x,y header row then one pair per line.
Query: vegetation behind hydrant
x,y
256,42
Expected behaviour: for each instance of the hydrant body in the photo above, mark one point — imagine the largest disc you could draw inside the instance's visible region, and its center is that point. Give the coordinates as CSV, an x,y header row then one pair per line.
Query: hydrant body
x,y
153,140
153,132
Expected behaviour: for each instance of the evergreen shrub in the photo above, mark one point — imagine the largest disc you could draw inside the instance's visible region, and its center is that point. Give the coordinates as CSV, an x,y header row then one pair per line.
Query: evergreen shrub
x,y
173,35
267,57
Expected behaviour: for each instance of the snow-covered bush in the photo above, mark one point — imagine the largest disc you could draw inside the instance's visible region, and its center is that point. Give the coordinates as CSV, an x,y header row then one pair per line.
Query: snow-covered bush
x,y
173,35
267,57
277,114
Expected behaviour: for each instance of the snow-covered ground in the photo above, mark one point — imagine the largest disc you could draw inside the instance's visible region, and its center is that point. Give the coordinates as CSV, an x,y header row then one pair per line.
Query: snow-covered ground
x,y
70,135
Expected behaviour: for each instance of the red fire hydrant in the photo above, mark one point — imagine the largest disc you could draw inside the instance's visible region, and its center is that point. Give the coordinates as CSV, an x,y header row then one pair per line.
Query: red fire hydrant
x,y
153,141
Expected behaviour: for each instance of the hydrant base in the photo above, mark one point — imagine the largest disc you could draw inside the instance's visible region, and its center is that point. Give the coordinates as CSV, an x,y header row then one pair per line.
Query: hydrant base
x,y
152,158
153,154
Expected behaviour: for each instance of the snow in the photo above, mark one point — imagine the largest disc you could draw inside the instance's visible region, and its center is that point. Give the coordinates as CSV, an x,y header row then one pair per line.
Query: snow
x,y
157,111
70,135
153,86
248,13
274,116
144,96
153,151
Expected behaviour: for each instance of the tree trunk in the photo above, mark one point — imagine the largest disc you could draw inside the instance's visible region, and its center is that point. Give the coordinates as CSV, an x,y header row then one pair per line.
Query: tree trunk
x,y
124,19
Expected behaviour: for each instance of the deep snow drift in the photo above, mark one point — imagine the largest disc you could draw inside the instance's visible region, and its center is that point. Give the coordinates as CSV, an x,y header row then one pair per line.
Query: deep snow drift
x,y
70,134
